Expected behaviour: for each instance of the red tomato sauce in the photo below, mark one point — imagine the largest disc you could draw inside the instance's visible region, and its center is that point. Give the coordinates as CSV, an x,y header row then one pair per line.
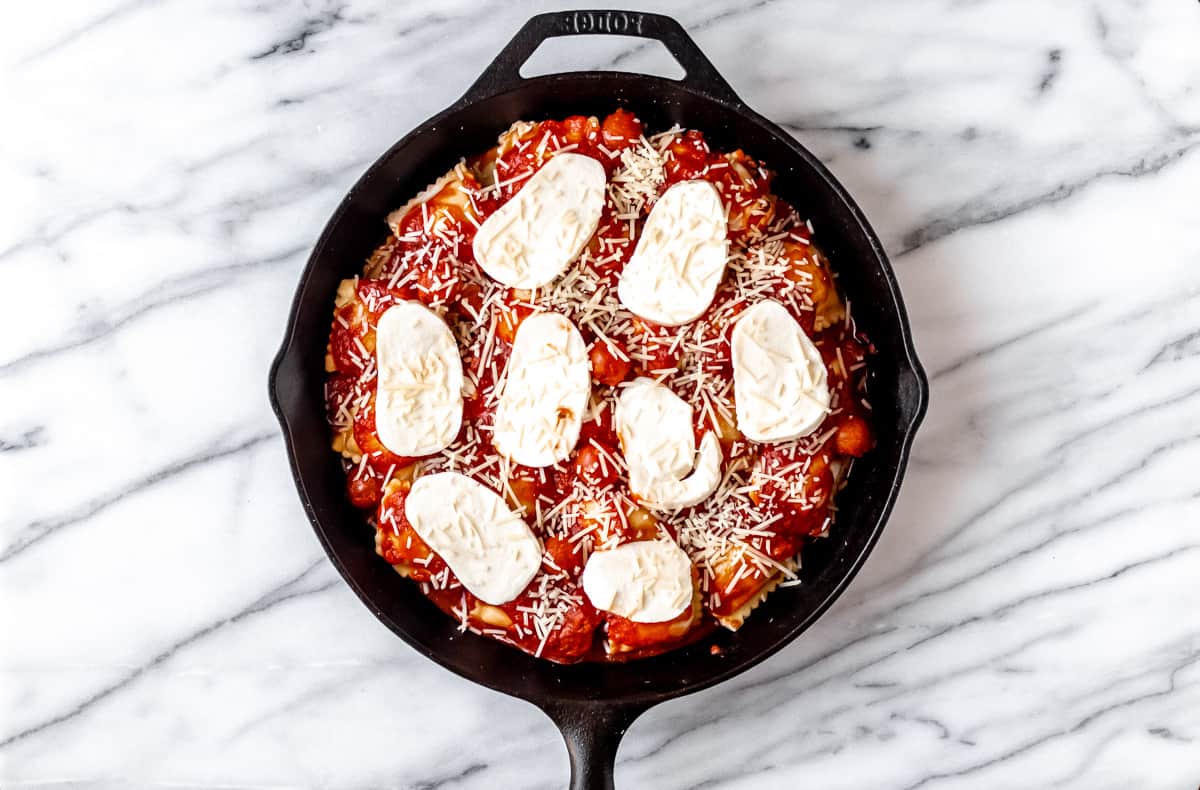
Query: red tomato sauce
x,y
585,503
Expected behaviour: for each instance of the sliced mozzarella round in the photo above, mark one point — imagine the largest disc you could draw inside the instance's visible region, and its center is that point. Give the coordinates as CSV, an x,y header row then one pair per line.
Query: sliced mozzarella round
x,y
532,238
680,256
647,581
655,429
489,548
418,405
779,379
545,392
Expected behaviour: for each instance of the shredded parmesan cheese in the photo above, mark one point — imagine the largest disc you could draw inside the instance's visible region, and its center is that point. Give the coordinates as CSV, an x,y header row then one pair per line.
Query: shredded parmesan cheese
x,y
742,537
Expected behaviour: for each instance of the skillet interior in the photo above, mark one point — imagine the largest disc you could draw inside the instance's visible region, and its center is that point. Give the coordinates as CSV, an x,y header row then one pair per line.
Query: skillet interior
x,y
896,386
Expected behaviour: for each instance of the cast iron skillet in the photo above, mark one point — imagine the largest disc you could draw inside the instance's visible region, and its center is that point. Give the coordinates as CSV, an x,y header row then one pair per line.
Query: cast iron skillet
x,y
593,704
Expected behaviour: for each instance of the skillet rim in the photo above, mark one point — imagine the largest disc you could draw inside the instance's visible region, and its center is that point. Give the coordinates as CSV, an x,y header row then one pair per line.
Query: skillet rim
x,y
894,310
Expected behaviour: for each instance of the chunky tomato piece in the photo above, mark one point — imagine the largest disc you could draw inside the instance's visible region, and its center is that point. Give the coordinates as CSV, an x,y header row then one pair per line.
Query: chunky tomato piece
x,y
573,638
620,130
469,303
340,389
610,362
600,428
523,497
689,155
627,636
579,129
376,297
364,489
594,466
565,557
348,340
854,436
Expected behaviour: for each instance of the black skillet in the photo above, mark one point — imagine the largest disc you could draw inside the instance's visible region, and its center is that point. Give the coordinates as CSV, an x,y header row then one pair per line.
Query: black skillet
x,y
593,704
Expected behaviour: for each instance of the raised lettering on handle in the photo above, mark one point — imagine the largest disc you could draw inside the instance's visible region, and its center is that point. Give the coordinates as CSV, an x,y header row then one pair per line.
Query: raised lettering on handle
x,y
611,22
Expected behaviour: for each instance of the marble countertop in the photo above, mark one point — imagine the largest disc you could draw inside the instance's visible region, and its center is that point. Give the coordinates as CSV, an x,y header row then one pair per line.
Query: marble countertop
x,y
1031,616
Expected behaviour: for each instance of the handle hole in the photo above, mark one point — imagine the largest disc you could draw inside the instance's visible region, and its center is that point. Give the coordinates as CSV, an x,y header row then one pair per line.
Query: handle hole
x,y
602,52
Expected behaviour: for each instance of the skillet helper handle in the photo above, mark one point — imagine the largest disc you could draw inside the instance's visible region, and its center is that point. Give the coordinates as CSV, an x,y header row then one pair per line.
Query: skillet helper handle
x,y
504,73
593,731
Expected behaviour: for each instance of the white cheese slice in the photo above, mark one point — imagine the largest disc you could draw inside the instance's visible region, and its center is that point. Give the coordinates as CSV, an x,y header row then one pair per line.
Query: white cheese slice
x,y
680,257
418,405
532,238
647,581
655,429
779,379
489,548
545,392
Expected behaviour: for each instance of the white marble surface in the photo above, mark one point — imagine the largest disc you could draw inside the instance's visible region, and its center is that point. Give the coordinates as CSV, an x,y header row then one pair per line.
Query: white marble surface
x,y
1031,617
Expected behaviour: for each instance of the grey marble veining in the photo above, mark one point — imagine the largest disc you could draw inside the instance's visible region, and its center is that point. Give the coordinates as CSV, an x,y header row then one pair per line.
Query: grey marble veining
x,y
1030,616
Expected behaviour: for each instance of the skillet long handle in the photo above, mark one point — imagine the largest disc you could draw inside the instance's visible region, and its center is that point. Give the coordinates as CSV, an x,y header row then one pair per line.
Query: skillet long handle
x,y
593,731
504,73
